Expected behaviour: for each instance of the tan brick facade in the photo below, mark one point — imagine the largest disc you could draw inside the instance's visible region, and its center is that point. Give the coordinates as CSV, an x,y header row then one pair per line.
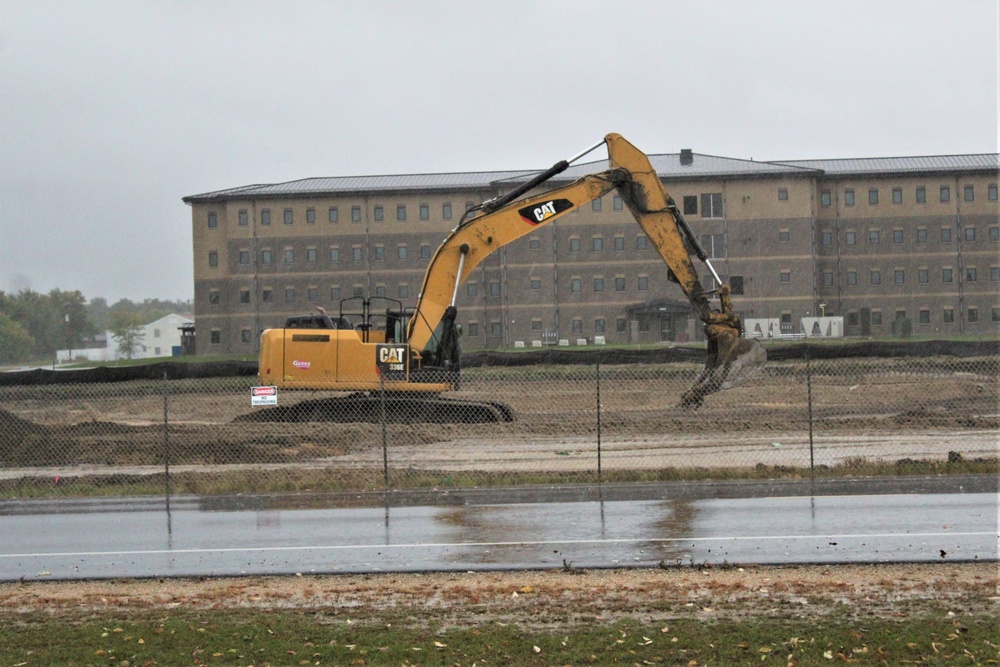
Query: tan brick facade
x,y
792,245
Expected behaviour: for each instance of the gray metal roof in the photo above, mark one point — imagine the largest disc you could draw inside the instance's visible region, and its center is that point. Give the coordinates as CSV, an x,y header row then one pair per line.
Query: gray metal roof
x,y
902,165
667,165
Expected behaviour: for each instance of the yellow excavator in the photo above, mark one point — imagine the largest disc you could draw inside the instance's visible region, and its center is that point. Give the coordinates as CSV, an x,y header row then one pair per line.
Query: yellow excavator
x,y
417,349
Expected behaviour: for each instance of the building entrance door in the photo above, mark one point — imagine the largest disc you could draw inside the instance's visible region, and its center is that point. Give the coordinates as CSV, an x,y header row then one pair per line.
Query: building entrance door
x,y
666,327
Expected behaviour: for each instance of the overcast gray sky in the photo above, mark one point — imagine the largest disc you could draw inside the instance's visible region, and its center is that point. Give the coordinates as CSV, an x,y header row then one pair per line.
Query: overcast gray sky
x,y
110,112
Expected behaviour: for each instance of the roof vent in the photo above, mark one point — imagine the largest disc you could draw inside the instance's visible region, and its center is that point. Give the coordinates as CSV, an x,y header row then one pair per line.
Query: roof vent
x,y
687,157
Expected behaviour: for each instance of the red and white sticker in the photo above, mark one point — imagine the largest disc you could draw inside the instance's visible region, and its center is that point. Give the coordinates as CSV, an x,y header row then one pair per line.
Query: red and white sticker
x,y
301,364
264,391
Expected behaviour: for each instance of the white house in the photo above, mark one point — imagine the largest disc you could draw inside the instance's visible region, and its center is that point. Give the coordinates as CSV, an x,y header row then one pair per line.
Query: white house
x,y
161,338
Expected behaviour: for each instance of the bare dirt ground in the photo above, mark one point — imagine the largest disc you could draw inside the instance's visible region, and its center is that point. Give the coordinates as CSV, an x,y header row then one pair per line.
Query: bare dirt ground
x,y
555,599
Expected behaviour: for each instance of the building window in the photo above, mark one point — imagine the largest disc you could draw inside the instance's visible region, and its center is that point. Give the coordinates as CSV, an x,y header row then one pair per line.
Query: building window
x,y
246,336
357,254
897,195
215,337
922,235
711,205
310,254
851,238
925,316
574,245
213,297
714,244
995,274
782,194
616,203
401,212
359,292
404,291
536,283
970,274
575,285
333,215
213,221
877,318
828,278
848,197
643,283
495,288
495,330
595,205
619,243
534,244
899,277
921,194
401,252
536,325
244,257
355,214
897,236
471,289
288,216
945,193
946,235
599,325
266,295
425,252
213,258
991,192
473,329
824,198
380,291
310,216
379,253
289,256
923,276
599,284
783,236
785,276
946,275
597,244
619,283
973,315
970,234
244,296
736,285
826,239
690,205
994,233
621,325
334,255
641,242
577,326
312,294
244,220
265,216
289,295
948,315
852,318
852,277
446,211
876,277
379,213
335,293
873,237
969,193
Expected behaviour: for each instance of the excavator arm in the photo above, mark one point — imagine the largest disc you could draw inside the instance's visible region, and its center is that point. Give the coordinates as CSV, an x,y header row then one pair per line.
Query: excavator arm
x,y
503,220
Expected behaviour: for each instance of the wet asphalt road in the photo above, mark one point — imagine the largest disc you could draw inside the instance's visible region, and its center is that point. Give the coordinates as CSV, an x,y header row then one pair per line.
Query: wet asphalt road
x,y
646,525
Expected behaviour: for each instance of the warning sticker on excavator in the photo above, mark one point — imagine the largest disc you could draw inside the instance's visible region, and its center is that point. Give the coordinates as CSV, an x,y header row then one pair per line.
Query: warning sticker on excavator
x,y
539,213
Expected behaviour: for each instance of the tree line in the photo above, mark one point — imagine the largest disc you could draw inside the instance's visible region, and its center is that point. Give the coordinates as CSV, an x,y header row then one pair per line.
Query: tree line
x,y
33,325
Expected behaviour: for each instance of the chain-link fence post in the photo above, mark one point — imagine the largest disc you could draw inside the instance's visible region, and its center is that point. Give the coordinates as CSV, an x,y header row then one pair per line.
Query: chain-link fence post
x,y
166,437
385,442
809,408
598,373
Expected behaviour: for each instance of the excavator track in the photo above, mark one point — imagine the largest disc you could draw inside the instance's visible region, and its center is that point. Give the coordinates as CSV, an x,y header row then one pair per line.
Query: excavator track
x,y
393,408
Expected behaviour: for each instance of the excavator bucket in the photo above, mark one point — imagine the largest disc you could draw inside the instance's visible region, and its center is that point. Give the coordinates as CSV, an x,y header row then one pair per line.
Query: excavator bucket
x,y
731,361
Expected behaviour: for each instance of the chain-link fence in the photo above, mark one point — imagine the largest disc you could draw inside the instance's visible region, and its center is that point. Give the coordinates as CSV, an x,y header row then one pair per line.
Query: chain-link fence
x,y
532,424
